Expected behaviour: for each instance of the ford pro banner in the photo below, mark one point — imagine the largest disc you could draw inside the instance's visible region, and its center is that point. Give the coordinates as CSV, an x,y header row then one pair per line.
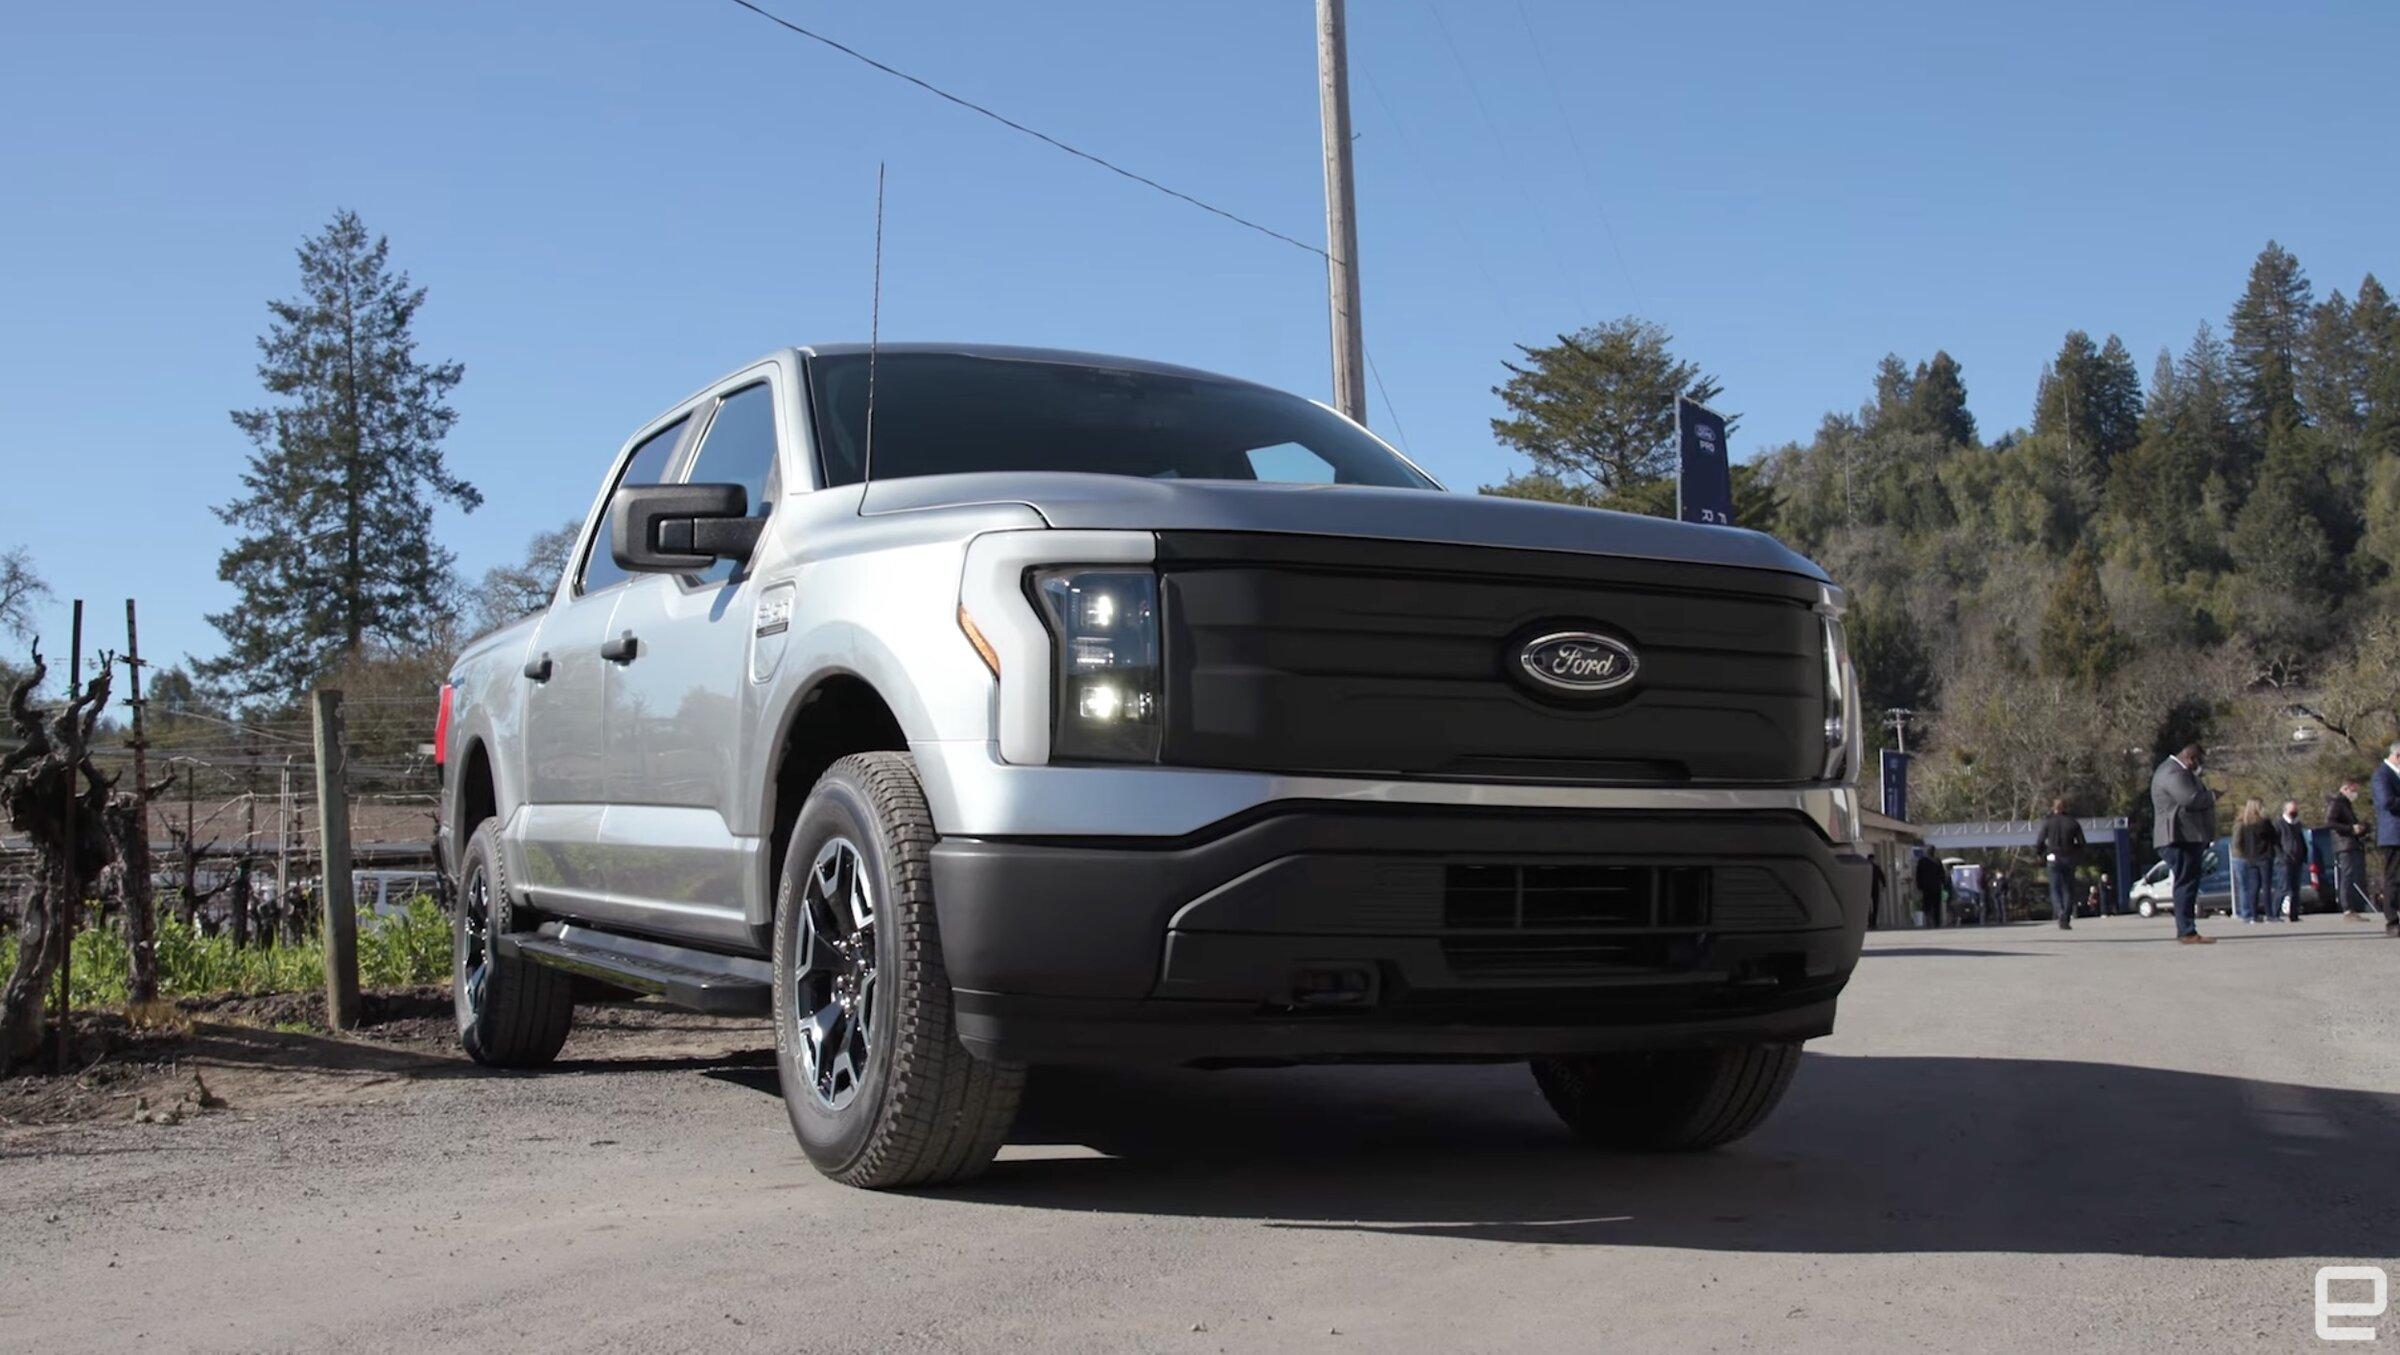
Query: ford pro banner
x,y
1895,784
1704,491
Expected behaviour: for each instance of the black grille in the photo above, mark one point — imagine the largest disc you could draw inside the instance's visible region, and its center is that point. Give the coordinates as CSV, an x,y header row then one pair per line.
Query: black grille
x,y
1327,655
1550,897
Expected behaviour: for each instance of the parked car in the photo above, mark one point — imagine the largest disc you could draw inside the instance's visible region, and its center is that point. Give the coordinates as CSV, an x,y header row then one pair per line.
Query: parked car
x,y
2153,894
964,708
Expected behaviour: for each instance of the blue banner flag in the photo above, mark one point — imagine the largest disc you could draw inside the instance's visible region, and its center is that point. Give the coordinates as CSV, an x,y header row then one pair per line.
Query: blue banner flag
x,y
1704,490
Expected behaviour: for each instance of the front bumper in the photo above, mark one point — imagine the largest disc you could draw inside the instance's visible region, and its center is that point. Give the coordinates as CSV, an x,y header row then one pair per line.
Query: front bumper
x,y
1314,931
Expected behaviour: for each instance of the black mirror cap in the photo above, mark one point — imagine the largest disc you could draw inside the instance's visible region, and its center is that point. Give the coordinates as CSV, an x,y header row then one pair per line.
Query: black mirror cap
x,y
680,529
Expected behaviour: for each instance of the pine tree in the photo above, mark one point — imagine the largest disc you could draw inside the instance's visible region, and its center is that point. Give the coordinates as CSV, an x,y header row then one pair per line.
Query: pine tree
x,y
2090,396
2080,641
2377,322
2333,374
336,544
2285,555
1939,401
2206,422
1598,406
2269,325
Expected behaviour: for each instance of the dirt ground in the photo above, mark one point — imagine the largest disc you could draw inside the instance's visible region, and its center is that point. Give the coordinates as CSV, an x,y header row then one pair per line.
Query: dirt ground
x,y
2018,1139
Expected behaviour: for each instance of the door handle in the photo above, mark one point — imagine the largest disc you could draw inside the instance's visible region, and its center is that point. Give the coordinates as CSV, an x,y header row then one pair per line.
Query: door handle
x,y
623,649
538,669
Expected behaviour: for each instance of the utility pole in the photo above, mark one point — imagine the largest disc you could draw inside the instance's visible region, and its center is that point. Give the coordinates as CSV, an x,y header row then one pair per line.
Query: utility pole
x,y
1897,718
1341,212
141,906
333,827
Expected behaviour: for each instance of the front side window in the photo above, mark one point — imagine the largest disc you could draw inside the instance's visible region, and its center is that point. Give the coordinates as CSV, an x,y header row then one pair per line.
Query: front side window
x,y
647,466
739,449
948,413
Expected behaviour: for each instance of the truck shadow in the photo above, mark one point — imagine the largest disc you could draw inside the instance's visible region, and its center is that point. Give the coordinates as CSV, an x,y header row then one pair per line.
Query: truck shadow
x,y
1866,1155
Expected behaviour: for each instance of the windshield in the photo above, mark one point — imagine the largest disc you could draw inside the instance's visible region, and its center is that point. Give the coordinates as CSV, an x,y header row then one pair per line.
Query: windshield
x,y
947,413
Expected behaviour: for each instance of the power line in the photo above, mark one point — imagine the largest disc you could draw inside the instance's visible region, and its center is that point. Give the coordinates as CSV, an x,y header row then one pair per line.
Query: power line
x,y
1441,200
1500,143
1591,181
1388,407
1013,125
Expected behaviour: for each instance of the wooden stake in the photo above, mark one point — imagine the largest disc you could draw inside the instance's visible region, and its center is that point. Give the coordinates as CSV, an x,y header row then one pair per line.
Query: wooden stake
x,y
333,826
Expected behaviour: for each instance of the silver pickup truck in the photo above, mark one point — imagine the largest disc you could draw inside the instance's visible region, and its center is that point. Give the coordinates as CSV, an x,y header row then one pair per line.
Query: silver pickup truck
x,y
969,707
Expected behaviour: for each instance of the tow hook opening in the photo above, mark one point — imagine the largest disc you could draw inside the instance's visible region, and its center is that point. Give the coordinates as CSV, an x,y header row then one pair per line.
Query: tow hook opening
x,y
1334,983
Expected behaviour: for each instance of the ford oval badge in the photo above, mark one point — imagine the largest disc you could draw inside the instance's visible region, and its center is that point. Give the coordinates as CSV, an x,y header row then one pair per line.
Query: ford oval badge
x,y
1578,661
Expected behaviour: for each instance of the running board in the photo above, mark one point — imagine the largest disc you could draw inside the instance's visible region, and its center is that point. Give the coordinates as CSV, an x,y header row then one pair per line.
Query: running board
x,y
699,980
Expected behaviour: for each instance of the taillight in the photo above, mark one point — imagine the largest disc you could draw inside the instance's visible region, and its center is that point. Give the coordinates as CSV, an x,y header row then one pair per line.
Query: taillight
x,y
441,728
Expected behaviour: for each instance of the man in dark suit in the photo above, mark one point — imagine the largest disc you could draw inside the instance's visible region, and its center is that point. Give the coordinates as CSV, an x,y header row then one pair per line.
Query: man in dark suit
x,y
2291,863
2059,843
2186,813
2349,849
1933,884
2387,836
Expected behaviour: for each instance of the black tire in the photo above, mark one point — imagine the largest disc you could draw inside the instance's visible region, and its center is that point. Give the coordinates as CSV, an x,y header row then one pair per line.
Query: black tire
x,y
922,1111
516,1014
1679,1100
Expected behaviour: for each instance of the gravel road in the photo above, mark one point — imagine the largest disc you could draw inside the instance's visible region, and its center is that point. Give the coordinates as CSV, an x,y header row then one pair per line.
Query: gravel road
x,y
2020,1138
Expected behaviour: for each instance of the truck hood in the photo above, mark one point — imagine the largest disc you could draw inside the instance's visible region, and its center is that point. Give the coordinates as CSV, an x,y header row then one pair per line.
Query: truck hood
x,y
1072,500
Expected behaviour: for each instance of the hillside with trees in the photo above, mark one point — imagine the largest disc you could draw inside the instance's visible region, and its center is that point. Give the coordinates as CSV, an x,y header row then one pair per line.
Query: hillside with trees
x,y
2210,553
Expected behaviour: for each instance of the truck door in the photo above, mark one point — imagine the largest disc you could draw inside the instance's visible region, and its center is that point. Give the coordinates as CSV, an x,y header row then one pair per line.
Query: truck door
x,y
566,747
676,708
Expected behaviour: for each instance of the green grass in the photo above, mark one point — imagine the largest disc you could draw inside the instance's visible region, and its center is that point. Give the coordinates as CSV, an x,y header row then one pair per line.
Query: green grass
x,y
408,948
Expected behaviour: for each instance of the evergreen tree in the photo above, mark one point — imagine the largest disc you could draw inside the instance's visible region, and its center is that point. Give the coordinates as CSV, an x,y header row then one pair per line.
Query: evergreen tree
x,y
336,544
2091,397
2377,322
1598,406
2206,421
2080,641
2269,325
1938,401
2286,557
2333,375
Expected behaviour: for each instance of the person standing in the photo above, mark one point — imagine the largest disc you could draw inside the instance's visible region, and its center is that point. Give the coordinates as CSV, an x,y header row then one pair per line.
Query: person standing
x,y
2186,813
2060,842
2349,850
2387,836
2292,855
1932,883
2254,850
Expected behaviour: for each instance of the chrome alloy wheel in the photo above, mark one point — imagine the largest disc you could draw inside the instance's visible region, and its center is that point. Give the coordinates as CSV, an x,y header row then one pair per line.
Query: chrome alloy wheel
x,y
833,978
474,976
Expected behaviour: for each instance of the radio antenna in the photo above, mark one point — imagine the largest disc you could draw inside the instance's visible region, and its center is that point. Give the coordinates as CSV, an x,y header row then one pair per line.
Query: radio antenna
x,y
866,468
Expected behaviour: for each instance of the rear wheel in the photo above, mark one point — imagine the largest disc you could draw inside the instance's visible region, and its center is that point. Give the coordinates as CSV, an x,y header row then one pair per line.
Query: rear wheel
x,y
1677,1100
511,1013
879,1089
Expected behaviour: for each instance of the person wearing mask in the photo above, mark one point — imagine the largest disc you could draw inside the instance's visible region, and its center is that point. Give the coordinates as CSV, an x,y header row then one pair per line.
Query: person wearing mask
x,y
2185,811
2349,850
2387,836
2059,843
2255,845
2291,842
1933,883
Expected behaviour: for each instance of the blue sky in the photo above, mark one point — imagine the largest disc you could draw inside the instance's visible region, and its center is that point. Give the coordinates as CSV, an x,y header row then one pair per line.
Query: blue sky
x,y
614,201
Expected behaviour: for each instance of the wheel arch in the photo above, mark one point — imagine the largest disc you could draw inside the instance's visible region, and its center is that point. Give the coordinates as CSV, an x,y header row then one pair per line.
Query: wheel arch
x,y
838,713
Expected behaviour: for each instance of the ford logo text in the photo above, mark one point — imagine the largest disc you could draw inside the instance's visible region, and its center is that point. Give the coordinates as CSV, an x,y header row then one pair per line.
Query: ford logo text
x,y
1578,661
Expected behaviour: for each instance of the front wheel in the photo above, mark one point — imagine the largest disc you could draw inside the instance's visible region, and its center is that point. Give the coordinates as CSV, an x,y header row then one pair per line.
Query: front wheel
x,y
879,1089
511,1013
2149,909
1679,1100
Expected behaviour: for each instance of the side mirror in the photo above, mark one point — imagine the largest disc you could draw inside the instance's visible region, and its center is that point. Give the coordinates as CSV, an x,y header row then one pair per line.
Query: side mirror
x,y
681,529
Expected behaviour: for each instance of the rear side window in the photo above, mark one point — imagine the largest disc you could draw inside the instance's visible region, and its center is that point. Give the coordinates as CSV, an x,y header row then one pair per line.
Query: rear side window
x,y
647,466
739,449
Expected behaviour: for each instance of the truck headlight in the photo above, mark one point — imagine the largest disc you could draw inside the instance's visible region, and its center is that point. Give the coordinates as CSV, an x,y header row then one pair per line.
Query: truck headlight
x,y
1104,632
1841,704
